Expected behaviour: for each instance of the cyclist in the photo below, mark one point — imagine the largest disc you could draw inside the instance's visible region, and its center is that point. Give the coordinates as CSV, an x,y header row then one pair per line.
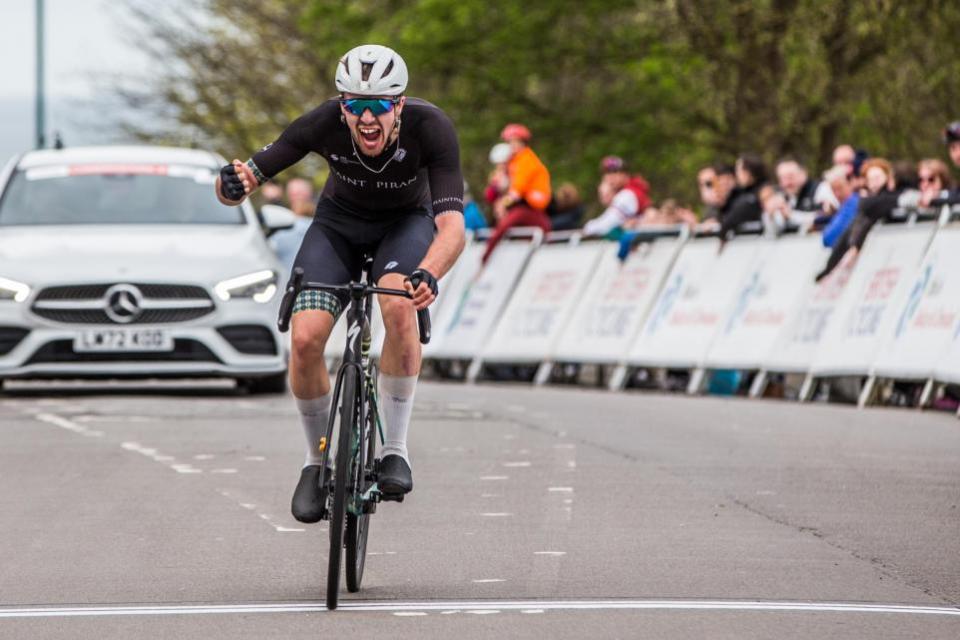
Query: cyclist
x,y
395,189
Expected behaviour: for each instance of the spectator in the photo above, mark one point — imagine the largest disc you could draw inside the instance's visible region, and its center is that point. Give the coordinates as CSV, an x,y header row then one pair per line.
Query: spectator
x,y
668,214
743,203
528,194
300,197
935,183
565,209
706,181
498,183
849,199
271,193
625,197
845,156
287,242
803,193
473,218
951,138
776,208
878,202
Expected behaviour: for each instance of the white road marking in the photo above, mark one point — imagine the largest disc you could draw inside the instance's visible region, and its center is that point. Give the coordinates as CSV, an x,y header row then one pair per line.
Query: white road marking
x,y
489,495
410,613
483,612
494,477
69,425
496,515
254,458
480,605
185,468
561,489
224,471
203,456
523,463
485,580
549,553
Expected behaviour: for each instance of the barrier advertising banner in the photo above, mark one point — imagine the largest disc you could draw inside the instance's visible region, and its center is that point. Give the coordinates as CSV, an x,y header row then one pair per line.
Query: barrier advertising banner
x,y
775,285
615,303
542,303
873,298
927,323
693,302
481,302
452,289
797,345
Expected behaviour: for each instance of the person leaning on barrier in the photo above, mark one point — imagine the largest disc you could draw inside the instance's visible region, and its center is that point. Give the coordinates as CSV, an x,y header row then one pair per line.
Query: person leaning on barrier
x,y
802,192
843,189
951,138
934,181
878,203
565,209
706,186
743,203
526,199
623,195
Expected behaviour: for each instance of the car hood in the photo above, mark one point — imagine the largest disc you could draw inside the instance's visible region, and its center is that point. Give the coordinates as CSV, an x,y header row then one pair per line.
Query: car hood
x,y
106,253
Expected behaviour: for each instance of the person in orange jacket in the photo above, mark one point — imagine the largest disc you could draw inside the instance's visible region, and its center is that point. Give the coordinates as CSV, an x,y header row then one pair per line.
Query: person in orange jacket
x,y
526,200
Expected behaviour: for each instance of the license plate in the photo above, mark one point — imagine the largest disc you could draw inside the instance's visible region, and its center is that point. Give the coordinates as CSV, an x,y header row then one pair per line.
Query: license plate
x,y
123,340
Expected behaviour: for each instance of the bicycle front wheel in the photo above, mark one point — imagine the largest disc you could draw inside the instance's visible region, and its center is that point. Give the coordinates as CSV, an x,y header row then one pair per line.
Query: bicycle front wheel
x,y
358,524
349,392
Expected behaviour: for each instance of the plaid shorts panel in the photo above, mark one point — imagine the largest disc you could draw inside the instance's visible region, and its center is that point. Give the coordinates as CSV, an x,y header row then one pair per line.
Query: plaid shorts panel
x,y
313,300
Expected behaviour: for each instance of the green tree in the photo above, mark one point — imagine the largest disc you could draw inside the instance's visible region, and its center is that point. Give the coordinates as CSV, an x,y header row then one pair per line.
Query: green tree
x,y
670,85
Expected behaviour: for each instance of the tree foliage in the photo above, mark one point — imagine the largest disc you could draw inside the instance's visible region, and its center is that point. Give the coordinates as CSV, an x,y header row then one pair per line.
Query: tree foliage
x,y
670,85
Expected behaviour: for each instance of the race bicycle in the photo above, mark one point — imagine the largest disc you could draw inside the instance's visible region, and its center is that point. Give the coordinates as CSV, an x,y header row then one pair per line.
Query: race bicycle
x,y
350,492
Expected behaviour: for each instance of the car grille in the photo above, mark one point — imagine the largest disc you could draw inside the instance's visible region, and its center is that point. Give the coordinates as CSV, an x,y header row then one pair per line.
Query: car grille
x,y
10,337
250,338
61,351
87,304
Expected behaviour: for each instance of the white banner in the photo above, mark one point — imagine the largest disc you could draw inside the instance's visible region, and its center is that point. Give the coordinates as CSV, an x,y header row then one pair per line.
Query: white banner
x,y
452,290
927,322
542,303
697,295
616,302
873,298
481,302
774,288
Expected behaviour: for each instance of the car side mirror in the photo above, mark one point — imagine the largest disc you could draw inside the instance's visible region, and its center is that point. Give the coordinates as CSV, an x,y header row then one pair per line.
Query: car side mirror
x,y
275,218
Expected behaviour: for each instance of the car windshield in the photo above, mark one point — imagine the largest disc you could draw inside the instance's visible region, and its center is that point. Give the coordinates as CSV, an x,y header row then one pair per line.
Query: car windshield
x,y
114,194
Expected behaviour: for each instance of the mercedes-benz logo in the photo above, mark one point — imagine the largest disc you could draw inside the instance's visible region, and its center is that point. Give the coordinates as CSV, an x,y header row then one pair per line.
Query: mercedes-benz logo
x,y
123,303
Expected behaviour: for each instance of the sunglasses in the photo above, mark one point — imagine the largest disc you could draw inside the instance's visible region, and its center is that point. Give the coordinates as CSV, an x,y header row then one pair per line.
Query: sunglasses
x,y
377,106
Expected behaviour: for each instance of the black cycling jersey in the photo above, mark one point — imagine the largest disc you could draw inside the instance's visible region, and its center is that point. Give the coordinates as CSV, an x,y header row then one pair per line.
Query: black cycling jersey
x,y
421,168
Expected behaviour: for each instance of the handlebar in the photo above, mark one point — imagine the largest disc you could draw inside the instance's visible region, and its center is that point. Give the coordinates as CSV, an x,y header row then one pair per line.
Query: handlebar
x,y
357,290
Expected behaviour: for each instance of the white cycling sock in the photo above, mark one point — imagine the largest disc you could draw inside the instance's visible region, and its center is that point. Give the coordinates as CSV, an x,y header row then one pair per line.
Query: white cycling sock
x,y
314,414
396,405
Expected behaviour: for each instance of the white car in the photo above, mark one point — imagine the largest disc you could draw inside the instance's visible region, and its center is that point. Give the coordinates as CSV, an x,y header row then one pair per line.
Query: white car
x,y
120,262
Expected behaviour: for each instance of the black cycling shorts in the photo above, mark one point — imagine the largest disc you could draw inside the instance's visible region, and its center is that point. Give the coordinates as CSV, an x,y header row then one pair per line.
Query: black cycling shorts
x,y
333,248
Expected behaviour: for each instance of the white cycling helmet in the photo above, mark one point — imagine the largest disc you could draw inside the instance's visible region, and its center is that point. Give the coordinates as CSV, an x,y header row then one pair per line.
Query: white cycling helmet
x,y
372,70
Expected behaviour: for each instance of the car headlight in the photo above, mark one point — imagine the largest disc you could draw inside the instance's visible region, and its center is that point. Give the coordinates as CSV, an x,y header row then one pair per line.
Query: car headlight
x,y
13,290
260,285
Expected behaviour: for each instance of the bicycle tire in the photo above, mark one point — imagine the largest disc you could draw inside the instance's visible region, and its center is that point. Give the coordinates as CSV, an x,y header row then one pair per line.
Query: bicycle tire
x,y
358,526
348,406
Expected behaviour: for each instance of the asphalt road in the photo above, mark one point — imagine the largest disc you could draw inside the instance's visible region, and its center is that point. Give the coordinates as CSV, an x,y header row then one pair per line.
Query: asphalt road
x,y
164,513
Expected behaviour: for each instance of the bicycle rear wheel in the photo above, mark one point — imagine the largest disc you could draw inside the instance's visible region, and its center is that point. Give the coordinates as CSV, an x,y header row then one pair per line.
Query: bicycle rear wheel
x,y
358,525
341,487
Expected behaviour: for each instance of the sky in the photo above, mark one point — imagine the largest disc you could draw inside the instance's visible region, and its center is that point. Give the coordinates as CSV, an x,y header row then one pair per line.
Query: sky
x,y
86,45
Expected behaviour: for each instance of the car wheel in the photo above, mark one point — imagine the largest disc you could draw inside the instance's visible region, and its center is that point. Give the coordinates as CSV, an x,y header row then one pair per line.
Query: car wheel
x,y
276,383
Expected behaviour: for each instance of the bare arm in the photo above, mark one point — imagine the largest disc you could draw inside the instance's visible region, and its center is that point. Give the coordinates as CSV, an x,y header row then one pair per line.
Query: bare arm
x,y
441,256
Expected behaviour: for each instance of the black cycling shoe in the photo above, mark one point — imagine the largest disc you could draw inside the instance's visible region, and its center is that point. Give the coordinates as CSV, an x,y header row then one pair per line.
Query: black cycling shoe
x,y
395,477
310,496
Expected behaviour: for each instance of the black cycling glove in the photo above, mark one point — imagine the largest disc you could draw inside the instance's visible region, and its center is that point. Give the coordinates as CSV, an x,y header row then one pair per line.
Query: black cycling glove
x,y
231,184
422,275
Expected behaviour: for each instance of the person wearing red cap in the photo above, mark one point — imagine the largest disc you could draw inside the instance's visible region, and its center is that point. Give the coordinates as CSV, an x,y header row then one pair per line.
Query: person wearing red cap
x,y
526,200
625,197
